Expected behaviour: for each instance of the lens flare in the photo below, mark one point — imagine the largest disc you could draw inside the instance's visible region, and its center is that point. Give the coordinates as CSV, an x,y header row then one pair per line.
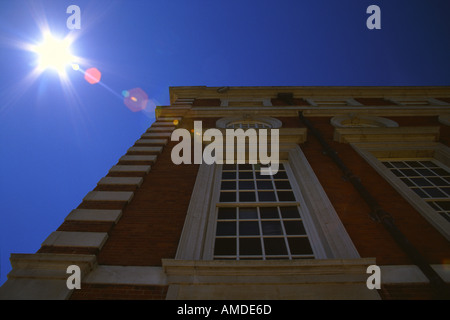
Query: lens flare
x,y
92,75
136,99
125,93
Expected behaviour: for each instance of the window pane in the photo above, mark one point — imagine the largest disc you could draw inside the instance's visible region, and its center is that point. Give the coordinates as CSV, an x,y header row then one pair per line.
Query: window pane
x,y
227,197
282,184
228,175
271,227
247,196
289,212
439,182
248,213
280,175
248,228
444,205
268,212
294,228
407,182
226,228
286,196
266,196
446,190
421,182
275,246
420,193
226,213
414,164
398,164
435,192
245,175
261,184
246,185
428,164
397,173
250,246
440,172
225,247
387,164
228,185
299,246
410,173
425,172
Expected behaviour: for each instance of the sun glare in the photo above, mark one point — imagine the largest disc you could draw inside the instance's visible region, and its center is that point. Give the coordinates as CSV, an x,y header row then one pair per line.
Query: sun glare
x,y
54,53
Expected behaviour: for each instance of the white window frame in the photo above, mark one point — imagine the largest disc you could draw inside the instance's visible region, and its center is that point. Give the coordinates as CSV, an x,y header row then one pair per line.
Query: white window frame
x,y
396,151
326,232
313,237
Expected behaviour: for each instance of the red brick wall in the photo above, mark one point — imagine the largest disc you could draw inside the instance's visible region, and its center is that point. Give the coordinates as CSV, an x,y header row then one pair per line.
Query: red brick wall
x,y
151,224
411,291
119,292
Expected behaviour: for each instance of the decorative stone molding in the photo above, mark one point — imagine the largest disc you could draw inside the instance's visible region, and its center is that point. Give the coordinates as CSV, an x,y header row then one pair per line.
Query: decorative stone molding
x,y
417,134
357,120
43,276
266,102
258,280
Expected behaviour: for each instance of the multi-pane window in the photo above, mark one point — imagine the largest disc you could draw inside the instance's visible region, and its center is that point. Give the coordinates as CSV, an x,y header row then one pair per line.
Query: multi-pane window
x,y
248,125
427,178
258,216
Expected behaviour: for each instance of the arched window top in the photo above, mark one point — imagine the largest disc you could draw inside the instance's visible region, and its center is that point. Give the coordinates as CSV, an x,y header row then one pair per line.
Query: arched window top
x,y
362,121
246,122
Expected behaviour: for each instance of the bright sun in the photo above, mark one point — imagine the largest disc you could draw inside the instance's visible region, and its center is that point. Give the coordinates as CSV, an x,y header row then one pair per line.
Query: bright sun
x,y
54,53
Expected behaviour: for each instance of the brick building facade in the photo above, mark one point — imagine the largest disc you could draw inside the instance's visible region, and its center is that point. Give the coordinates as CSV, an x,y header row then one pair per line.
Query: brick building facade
x,y
364,179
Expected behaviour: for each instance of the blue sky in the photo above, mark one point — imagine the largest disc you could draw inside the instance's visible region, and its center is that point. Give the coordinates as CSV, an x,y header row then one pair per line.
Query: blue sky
x,y
56,146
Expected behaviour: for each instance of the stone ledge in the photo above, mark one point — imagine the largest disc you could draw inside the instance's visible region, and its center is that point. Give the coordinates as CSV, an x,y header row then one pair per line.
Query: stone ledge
x,y
293,279
43,276
308,270
119,196
133,181
153,142
130,168
163,124
351,135
138,158
161,129
171,119
151,135
130,275
94,215
76,239
146,150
